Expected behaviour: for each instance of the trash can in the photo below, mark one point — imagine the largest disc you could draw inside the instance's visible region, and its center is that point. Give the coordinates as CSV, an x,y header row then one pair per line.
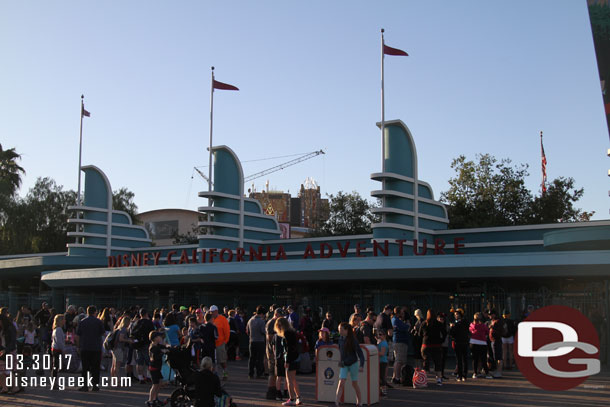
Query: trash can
x,y
327,376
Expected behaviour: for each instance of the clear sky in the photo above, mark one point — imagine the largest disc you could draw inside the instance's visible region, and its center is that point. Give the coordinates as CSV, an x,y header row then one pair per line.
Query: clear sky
x,y
482,77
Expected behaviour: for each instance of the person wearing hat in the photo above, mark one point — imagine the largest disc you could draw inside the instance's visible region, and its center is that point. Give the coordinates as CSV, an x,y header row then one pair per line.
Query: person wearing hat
x,y
224,333
323,338
510,328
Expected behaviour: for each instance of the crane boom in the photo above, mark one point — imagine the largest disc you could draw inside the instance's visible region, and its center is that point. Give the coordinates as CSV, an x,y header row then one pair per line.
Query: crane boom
x,y
205,177
283,165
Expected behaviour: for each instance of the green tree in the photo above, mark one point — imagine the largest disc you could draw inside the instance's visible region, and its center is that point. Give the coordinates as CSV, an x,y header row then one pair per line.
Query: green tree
x,y
122,200
349,214
10,172
490,192
37,223
557,204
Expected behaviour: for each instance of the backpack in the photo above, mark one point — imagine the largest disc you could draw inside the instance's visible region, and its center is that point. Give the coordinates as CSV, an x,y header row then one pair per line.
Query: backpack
x,y
110,340
510,328
406,375
420,379
138,332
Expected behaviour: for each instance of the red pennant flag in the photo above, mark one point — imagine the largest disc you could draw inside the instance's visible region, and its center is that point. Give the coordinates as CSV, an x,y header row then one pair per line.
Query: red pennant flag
x,y
223,86
84,112
393,51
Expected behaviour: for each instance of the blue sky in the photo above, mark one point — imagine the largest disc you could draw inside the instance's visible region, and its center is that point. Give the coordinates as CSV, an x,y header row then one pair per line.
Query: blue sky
x,y
482,77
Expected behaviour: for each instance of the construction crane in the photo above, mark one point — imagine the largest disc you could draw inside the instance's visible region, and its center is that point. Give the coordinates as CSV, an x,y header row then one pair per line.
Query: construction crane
x,y
272,169
205,177
284,165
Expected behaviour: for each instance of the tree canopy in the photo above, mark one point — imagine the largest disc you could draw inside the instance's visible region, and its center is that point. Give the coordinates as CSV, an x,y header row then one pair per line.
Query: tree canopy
x,y
10,172
38,222
349,214
491,192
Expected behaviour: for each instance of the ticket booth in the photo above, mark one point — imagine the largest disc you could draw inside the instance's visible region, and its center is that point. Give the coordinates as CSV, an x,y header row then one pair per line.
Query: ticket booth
x,y
327,376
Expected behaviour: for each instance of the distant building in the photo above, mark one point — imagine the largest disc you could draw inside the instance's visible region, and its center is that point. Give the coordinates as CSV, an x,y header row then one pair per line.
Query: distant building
x,y
304,212
164,225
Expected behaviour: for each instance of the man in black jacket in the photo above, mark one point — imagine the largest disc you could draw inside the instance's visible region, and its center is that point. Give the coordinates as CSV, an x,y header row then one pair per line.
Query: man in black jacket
x,y
460,336
89,332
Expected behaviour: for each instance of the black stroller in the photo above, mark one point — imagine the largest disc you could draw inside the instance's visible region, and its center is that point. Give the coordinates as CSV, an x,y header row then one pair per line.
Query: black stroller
x,y
179,359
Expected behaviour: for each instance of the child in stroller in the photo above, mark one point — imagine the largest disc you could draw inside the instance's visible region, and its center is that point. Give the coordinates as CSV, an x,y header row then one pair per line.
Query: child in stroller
x,y
198,388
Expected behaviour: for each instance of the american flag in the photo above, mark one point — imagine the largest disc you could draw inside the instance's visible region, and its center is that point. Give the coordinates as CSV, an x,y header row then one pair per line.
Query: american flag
x,y
543,165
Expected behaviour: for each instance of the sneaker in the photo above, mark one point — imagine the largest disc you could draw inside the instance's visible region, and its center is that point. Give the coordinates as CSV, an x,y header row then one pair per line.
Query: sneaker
x,y
95,388
395,381
289,403
439,381
458,379
389,386
444,378
278,396
488,376
463,379
474,376
298,402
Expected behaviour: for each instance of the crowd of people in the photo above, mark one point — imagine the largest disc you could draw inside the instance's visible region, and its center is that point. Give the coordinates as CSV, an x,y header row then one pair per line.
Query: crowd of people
x,y
280,342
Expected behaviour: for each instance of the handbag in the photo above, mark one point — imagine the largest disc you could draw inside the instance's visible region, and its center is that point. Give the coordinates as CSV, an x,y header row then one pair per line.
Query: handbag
x,y
420,379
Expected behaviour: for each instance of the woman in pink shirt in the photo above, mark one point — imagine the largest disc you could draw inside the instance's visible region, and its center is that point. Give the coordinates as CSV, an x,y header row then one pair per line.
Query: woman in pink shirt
x,y
478,345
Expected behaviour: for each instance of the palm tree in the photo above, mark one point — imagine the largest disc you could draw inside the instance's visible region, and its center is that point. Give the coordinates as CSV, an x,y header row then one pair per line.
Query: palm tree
x,y
10,172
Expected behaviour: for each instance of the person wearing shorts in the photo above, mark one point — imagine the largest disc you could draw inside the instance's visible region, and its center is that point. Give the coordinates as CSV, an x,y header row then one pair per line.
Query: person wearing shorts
x,y
350,354
284,329
156,350
224,332
275,358
401,328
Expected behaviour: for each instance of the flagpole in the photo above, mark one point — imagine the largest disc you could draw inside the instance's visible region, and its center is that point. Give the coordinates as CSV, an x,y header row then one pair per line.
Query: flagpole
x,y
211,123
209,229
80,150
382,122
382,107
543,165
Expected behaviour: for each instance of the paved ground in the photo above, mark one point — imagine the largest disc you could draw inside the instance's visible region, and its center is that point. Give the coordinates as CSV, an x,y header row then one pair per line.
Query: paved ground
x,y
511,391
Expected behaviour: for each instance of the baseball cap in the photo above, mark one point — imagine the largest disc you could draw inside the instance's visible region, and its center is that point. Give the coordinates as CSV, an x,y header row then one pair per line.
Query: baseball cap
x,y
213,308
183,308
324,330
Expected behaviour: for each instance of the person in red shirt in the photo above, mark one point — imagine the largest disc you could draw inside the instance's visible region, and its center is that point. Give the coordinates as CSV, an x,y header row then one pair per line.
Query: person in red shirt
x,y
224,332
